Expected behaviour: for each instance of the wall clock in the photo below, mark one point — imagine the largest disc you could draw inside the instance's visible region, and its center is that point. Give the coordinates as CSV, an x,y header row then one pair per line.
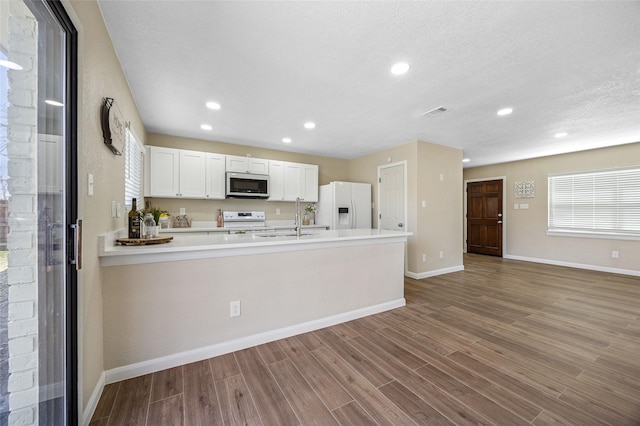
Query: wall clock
x,y
112,126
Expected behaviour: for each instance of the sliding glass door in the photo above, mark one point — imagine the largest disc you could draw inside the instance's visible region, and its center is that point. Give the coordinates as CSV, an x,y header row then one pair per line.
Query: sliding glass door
x,y
38,366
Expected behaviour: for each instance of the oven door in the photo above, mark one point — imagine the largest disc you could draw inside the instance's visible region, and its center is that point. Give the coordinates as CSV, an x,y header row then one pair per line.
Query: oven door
x,y
247,185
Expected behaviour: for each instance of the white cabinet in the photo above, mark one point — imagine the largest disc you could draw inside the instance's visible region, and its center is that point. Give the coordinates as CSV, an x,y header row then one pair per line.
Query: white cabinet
x,y
258,166
292,180
175,173
214,171
192,174
276,180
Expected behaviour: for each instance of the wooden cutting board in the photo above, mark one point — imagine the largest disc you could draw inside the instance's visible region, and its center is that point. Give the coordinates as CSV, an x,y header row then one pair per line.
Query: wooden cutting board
x,y
143,241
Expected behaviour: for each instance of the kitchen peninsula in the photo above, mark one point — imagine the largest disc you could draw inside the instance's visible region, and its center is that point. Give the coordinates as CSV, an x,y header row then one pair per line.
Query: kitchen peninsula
x,y
167,305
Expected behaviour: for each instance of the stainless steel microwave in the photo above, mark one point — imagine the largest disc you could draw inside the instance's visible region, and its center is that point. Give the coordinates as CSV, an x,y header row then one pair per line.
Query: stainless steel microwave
x,y
247,185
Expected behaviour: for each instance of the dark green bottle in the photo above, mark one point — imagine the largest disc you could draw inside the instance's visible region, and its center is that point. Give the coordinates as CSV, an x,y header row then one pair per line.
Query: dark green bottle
x,y
134,220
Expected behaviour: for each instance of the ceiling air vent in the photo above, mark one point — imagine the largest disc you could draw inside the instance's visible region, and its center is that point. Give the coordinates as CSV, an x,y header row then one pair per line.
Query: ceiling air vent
x,y
436,111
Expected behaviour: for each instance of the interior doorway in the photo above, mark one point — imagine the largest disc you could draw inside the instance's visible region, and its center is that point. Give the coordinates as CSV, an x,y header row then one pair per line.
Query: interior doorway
x,y
484,217
392,196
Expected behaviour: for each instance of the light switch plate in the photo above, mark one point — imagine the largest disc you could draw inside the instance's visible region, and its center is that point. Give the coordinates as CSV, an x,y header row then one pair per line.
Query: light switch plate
x,y
90,185
516,206
524,206
114,208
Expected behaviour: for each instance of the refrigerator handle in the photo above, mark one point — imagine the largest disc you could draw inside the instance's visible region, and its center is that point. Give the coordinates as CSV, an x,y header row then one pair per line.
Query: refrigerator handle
x,y
353,214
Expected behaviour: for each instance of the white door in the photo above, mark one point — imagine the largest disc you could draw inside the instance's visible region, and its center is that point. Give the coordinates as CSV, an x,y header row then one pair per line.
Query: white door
x,y
164,172
276,180
361,205
214,171
343,206
392,197
192,174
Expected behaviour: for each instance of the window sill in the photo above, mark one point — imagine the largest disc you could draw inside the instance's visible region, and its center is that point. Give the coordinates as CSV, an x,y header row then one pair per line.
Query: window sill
x,y
597,235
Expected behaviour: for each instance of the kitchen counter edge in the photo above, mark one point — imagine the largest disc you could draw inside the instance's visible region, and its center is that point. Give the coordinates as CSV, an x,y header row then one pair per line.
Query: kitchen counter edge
x,y
191,247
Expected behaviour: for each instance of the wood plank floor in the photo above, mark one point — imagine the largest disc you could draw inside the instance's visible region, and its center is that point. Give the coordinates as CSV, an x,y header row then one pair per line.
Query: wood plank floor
x,y
502,342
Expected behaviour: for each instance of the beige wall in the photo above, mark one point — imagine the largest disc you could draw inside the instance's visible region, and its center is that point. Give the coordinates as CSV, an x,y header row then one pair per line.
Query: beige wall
x,y
329,170
439,229
99,75
436,227
526,229
163,309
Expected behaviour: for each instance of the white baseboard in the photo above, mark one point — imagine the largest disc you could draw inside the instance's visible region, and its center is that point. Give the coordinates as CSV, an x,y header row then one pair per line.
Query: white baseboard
x,y
575,265
93,401
174,360
421,275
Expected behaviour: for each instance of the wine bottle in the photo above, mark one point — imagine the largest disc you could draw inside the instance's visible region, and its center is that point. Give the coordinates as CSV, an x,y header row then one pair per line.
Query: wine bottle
x,y
134,220
219,218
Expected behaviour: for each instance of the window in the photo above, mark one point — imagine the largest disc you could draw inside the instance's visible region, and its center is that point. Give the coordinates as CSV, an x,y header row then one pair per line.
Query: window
x,y
604,203
133,164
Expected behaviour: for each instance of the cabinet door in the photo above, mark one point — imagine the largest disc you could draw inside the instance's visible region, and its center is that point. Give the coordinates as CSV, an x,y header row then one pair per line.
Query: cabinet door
x,y
276,180
192,174
309,185
238,164
215,167
164,172
292,181
258,166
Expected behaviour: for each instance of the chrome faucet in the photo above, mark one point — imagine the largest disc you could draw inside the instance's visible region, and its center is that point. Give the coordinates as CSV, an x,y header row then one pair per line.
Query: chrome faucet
x,y
298,221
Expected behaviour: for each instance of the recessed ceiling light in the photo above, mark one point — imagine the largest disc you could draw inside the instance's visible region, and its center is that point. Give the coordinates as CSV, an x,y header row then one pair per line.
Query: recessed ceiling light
x,y
400,68
505,111
213,105
560,135
309,125
206,127
52,102
11,65
466,160
286,140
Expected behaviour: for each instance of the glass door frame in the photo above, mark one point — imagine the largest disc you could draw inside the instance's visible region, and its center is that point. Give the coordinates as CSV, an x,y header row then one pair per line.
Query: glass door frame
x,y
71,202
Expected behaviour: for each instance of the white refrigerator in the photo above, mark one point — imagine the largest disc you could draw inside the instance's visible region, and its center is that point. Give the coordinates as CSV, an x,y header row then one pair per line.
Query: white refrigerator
x,y
344,205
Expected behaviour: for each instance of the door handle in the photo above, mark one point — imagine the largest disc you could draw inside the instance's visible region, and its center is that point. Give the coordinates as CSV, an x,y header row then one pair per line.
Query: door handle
x,y
499,221
76,252
400,225
499,214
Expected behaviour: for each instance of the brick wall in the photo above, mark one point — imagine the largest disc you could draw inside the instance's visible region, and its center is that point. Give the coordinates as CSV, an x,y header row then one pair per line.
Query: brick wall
x,y
22,220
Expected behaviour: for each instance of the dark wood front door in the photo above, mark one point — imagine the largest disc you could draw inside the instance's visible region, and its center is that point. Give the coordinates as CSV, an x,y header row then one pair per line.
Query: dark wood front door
x,y
484,217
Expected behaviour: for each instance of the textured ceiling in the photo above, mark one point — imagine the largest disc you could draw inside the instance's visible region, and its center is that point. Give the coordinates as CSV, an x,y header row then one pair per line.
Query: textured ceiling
x,y
562,66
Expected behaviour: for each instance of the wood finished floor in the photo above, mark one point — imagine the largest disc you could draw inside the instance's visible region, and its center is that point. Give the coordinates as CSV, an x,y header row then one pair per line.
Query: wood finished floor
x,y
503,342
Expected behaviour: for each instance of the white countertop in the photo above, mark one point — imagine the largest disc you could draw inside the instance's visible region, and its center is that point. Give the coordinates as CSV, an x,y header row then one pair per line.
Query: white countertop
x,y
188,247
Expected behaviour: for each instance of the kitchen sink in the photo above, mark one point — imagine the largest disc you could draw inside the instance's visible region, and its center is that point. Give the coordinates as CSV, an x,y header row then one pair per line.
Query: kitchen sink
x,y
284,234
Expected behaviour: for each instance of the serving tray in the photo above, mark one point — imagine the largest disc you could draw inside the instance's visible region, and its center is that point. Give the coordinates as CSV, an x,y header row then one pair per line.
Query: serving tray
x,y
143,241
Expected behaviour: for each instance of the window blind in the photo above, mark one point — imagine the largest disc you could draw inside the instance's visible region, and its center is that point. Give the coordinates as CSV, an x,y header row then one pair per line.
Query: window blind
x,y
133,163
603,202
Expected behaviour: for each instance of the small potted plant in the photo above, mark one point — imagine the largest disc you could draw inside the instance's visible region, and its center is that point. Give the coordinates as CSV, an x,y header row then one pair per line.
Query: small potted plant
x,y
310,209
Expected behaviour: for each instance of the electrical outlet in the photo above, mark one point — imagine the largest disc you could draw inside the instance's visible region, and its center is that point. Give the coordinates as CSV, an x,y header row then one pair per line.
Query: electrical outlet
x,y
615,254
424,257
234,309
441,255
277,211
424,203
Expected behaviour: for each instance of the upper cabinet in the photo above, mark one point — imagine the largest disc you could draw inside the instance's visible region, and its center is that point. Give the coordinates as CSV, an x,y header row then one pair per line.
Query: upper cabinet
x,y
239,164
175,173
215,178
293,180
276,180
172,173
